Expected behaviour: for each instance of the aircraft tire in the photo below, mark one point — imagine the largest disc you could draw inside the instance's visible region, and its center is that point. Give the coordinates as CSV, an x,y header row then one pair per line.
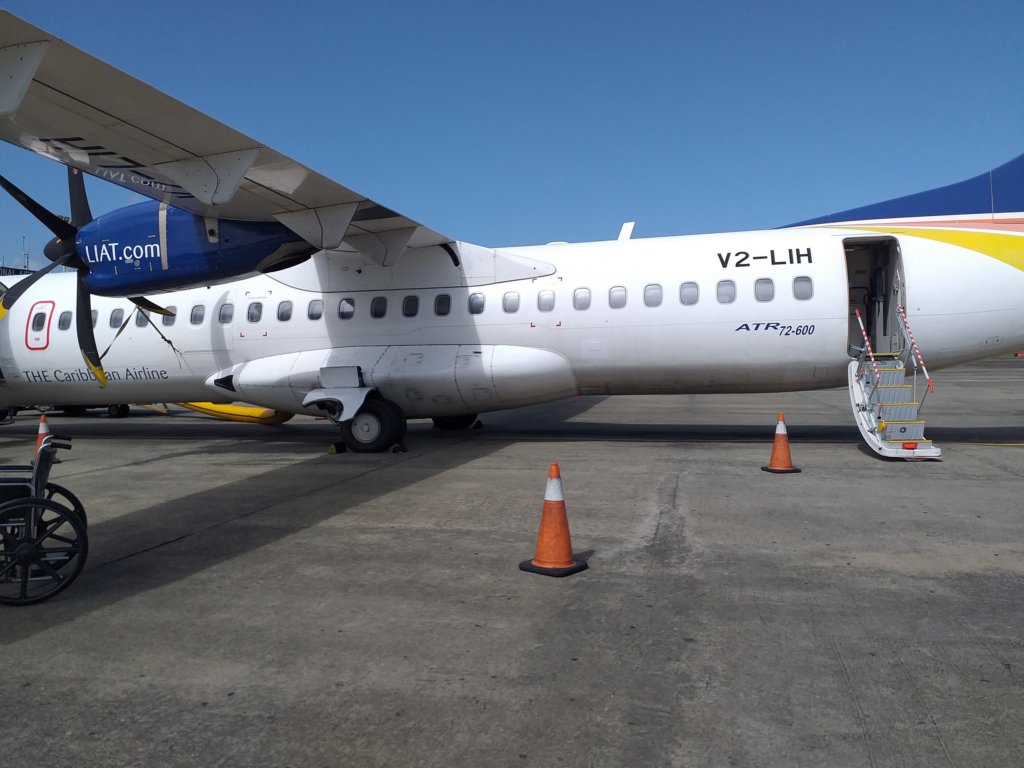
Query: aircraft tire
x,y
118,411
377,426
403,425
454,423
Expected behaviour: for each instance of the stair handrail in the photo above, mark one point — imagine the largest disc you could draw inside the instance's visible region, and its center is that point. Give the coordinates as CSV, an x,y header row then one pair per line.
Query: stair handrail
x,y
905,327
867,346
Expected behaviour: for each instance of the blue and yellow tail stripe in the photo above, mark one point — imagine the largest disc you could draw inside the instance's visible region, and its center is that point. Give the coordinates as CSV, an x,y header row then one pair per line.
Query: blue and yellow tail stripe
x,y
1007,248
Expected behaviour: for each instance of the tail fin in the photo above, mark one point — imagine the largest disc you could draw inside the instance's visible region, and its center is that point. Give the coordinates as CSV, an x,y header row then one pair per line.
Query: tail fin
x,y
999,191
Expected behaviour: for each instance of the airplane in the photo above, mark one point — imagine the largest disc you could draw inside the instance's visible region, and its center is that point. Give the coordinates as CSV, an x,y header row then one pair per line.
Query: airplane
x,y
289,291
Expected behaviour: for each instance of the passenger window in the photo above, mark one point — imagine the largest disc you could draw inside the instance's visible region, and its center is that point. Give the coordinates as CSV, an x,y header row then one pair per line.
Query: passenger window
x,y
581,298
546,301
169,319
442,304
616,297
255,312
764,289
652,295
476,303
141,318
410,306
726,292
284,311
510,302
379,306
803,288
39,321
226,314
315,310
116,318
346,308
95,317
65,321
198,312
689,293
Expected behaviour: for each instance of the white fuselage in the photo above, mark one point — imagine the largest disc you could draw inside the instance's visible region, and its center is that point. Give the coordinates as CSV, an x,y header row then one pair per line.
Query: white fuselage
x,y
737,312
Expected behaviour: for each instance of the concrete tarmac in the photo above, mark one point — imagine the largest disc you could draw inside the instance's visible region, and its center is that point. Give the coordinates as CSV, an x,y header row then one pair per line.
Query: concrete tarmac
x,y
251,600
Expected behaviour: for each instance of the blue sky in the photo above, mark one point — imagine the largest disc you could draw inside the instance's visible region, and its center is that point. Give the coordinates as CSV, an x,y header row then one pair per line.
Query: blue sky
x,y
526,122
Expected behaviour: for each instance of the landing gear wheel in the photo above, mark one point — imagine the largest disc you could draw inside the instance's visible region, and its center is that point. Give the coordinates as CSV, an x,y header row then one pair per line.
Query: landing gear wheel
x,y
403,425
118,411
454,423
377,426
43,547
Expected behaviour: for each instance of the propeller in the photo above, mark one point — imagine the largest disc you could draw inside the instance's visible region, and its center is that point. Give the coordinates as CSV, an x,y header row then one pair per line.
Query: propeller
x,y
61,251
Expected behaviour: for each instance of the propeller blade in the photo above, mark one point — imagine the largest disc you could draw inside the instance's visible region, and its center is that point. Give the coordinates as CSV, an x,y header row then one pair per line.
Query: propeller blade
x,y
143,303
86,337
19,288
62,229
60,250
80,213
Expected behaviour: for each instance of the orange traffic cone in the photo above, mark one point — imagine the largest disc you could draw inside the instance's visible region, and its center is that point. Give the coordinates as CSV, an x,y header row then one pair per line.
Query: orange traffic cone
x,y
780,461
44,432
553,556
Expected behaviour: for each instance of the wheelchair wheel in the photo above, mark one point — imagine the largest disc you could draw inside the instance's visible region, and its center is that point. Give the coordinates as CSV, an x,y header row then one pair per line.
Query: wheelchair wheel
x,y
43,548
62,495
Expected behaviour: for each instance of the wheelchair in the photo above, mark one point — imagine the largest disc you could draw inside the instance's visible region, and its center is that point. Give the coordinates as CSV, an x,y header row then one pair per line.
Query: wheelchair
x,y
43,539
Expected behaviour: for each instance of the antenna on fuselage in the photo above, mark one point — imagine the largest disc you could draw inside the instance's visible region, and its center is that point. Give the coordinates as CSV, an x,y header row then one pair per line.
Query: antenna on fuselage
x,y
627,230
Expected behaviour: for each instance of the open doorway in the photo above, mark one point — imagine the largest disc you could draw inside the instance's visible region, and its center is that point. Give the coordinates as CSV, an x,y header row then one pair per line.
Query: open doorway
x,y
874,272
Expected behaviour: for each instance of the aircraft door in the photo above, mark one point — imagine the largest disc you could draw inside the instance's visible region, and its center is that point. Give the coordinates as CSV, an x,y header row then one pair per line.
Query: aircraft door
x,y
875,278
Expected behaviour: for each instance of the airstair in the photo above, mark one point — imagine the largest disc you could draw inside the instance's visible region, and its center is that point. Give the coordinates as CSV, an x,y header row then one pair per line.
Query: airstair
x,y
887,391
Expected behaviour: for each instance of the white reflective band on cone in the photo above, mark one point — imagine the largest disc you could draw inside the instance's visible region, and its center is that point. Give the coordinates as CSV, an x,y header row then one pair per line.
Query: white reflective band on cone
x,y
554,490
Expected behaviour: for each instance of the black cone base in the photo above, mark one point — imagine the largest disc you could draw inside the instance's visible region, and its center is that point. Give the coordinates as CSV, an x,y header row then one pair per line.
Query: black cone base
x,y
576,567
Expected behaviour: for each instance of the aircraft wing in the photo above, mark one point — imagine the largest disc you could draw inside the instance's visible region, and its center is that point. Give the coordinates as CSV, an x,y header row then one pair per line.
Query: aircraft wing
x,y
60,102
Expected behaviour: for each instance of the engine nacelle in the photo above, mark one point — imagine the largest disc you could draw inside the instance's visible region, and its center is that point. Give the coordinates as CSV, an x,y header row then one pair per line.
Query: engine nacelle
x,y
149,248
430,380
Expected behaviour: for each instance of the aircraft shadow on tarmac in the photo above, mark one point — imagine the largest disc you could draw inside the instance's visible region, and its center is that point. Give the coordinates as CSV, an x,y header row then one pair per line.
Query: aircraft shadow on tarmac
x,y
157,545
740,433
171,540
558,427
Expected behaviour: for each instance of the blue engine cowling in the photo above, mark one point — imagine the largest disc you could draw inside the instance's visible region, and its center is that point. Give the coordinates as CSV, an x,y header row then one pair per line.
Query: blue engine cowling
x,y
127,254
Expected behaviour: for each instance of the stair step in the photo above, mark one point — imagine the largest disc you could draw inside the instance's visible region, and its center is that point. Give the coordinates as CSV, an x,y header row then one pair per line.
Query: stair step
x,y
894,393
907,445
896,411
886,376
902,431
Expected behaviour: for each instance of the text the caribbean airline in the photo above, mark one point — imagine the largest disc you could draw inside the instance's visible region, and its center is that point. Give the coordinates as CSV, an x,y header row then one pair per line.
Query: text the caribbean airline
x,y
358,312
